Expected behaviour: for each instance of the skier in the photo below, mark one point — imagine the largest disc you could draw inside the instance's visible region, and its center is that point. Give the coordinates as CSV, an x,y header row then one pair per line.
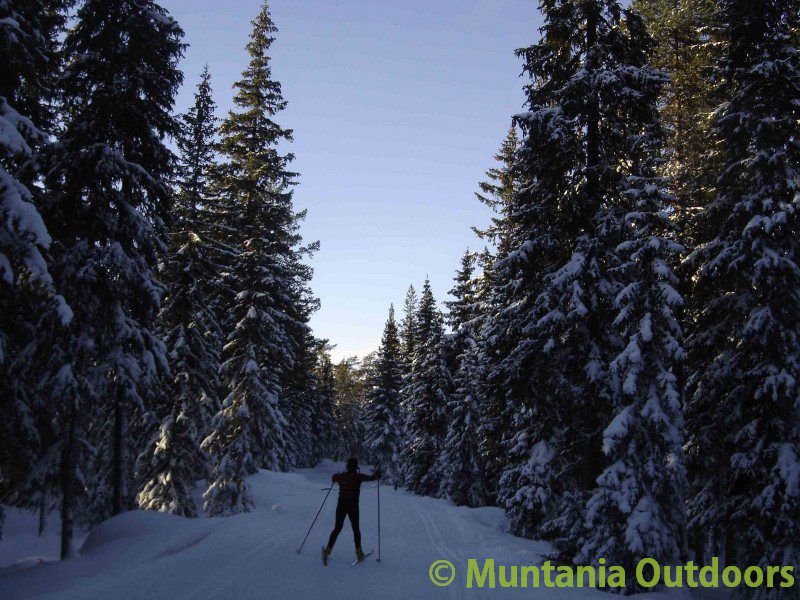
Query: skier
x,y
349,482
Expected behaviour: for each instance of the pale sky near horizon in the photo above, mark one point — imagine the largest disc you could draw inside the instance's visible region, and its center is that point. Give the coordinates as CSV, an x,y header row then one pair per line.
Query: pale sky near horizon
x,y
397,109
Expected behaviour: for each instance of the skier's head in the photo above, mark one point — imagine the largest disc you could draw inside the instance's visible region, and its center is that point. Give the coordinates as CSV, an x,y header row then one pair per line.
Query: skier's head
x,y
352,465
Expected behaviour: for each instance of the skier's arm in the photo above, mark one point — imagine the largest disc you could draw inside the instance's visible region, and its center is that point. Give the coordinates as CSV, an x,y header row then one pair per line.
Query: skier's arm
x,y
336,477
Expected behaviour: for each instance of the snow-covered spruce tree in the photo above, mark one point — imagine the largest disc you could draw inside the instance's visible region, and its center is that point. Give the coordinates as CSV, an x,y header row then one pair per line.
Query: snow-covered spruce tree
x,y
742,389
638,508
173,461
268,277
407,343
110,180
462,310
461,463
382,414
590,121
497,192
195,239
427,394
29,54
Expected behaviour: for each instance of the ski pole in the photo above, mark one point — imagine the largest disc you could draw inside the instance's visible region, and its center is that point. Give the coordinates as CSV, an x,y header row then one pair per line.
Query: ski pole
x,y
315,519
379,519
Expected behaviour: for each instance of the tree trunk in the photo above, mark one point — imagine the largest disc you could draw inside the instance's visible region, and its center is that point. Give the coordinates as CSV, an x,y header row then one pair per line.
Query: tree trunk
x,y
592,118
67,487
120,431
42,509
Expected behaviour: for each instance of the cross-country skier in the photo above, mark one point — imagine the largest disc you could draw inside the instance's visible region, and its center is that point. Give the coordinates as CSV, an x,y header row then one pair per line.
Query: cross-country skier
x,y
349,482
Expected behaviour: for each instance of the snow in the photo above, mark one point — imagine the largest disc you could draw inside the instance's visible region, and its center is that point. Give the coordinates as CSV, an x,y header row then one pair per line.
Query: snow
x,y
253,555
21,546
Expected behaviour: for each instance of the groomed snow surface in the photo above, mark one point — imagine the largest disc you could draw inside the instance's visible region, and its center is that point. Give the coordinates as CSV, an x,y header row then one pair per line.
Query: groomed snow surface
x,y
153,555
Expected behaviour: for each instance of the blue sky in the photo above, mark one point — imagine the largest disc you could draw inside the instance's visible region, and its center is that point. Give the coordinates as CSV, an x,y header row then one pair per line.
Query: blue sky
x,y
397,109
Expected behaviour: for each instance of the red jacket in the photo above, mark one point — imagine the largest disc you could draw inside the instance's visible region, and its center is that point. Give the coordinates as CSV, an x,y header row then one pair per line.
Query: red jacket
x,y
350,483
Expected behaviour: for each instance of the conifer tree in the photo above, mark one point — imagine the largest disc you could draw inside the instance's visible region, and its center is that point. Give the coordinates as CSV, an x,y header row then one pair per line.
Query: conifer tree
x,y
406,331
266,318
497,193
173,461
383,416
742,392
586,137
351,378
684,49
461,463
110,180
638,508
462,470
28,300
427,396
197,148
463,309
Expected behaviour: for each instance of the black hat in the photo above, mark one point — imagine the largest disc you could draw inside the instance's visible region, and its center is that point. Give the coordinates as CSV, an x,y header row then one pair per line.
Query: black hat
x,y
352,464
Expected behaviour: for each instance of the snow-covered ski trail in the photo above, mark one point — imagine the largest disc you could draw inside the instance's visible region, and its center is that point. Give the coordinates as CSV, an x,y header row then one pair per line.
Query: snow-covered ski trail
x,y
146,555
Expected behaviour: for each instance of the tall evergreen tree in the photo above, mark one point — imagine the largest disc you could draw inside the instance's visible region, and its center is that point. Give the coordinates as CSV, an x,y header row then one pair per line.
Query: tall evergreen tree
x,y
461,464
383,416
427,396
587,137
638,508
173,461
28,301
497,193
684,49
110,178
743,345
269,279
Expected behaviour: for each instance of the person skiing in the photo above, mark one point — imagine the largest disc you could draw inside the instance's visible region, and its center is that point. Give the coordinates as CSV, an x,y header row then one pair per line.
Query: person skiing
x,y
349,482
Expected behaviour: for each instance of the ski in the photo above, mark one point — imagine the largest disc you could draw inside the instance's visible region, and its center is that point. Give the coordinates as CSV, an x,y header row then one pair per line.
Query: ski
x,y
370,553
324,557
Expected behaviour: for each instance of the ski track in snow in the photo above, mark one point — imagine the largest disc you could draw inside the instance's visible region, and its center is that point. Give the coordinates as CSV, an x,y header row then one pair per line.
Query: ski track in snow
x,y
149,555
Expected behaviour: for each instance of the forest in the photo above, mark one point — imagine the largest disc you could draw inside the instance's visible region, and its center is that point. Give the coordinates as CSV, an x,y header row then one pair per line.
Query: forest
x,y
618,368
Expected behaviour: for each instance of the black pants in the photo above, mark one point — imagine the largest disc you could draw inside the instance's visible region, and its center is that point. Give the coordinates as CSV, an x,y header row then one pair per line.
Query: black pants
x,y
347,507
